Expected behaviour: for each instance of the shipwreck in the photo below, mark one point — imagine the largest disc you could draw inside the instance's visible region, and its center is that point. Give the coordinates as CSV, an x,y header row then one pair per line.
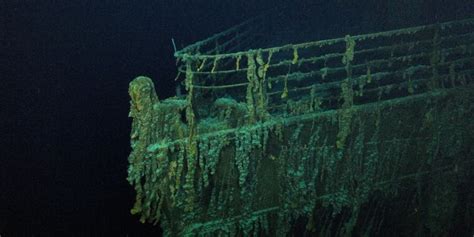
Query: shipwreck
x,y
348,136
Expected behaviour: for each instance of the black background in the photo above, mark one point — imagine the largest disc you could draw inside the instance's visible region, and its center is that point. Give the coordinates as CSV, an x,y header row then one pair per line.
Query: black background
x,y
64,73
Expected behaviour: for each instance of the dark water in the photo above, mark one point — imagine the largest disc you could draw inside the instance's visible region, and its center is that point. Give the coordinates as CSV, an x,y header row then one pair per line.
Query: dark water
x,y
64,73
